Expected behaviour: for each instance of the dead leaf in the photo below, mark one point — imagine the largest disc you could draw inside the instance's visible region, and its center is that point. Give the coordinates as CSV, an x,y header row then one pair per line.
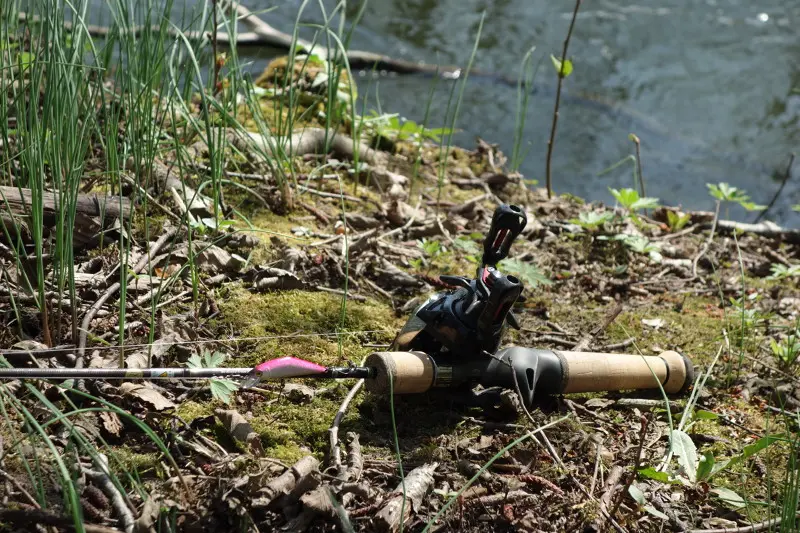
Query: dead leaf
x,y
594,403
655,323
139,358
146,394
277,279
111,422
298,393
148,516
240,429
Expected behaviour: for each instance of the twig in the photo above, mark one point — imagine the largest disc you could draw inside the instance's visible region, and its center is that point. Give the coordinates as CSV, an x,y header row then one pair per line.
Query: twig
x,y
405,226
112,290
707,243
334,452
753,528
17,485
632,476
558,101
37,516
786,176
618,345
583,343
557,459
639,175
322,217
611,484
118,501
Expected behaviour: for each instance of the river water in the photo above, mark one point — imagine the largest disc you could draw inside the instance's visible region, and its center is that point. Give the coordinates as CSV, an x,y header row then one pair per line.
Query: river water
x,y
711,87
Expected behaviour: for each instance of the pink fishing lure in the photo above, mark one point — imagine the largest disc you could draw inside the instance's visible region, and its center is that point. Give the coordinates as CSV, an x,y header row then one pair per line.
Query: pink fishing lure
x,y
283,367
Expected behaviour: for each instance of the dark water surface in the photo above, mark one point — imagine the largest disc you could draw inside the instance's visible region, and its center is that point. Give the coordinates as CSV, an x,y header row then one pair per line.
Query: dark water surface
x,y
712,87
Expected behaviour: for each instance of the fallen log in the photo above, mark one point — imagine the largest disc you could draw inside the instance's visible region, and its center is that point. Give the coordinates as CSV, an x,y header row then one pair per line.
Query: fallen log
x,y
19,202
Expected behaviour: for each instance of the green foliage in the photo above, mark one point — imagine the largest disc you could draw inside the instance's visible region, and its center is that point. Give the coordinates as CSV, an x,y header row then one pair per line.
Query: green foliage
x,y
728,193
787,350
557,65
676,222
641,245
526,271
221,389
781,271
398,128
630,200
469,247
638,496
592,220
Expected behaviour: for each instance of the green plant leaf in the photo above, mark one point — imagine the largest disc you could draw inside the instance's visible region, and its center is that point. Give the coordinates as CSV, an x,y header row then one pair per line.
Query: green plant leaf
x,y
652,473
676,222
557,65
686,452
528,272
730,498
645,203
702,414
637,494
626,197
593,219
655,512
195,361
705,467
223,389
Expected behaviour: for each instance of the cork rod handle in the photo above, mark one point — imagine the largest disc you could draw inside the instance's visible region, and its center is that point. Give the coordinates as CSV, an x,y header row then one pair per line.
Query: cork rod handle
x,y
594,372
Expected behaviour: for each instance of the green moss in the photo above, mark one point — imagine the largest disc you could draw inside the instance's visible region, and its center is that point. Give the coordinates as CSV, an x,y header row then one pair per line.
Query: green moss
x,y
191,410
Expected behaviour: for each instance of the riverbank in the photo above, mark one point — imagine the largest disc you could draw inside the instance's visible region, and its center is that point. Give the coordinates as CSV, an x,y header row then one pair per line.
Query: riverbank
x,y
252,220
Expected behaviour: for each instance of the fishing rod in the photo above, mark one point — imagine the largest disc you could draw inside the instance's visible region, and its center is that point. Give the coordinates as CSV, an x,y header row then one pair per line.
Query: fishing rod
x,y
451,340
273,369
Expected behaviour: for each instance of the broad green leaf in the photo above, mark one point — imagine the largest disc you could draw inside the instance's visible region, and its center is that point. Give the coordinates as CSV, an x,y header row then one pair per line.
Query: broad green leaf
x,y
194,361
748,451
702,414
637,494
593,219
655,512
730,498
760,444
529,272
557,65
214,359
676,221
652,473
626,197
686,452
752,206
645,203
705,467
223,389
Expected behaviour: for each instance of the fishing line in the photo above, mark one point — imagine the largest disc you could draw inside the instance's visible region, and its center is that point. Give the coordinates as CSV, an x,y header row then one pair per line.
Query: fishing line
x,y
185,343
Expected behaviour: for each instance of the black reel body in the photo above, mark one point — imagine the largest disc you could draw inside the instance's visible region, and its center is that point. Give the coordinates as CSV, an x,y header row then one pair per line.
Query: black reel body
x,y
468,323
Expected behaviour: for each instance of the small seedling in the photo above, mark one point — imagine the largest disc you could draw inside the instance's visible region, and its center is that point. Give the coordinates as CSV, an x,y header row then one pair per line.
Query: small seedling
x,y
526,271
780,271
676,222
787,350
728,193
592,220
630,200
221,389
642,245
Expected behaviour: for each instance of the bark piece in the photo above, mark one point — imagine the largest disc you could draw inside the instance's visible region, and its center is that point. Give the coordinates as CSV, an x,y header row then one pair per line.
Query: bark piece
x,y
240,429
417,484
284,483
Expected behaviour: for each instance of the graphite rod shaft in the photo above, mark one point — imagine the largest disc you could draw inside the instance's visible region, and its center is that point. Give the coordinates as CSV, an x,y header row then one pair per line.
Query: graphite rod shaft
x,y
169,373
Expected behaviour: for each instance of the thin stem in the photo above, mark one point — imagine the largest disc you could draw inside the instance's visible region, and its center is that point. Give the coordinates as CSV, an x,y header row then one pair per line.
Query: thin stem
x,y
558,102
